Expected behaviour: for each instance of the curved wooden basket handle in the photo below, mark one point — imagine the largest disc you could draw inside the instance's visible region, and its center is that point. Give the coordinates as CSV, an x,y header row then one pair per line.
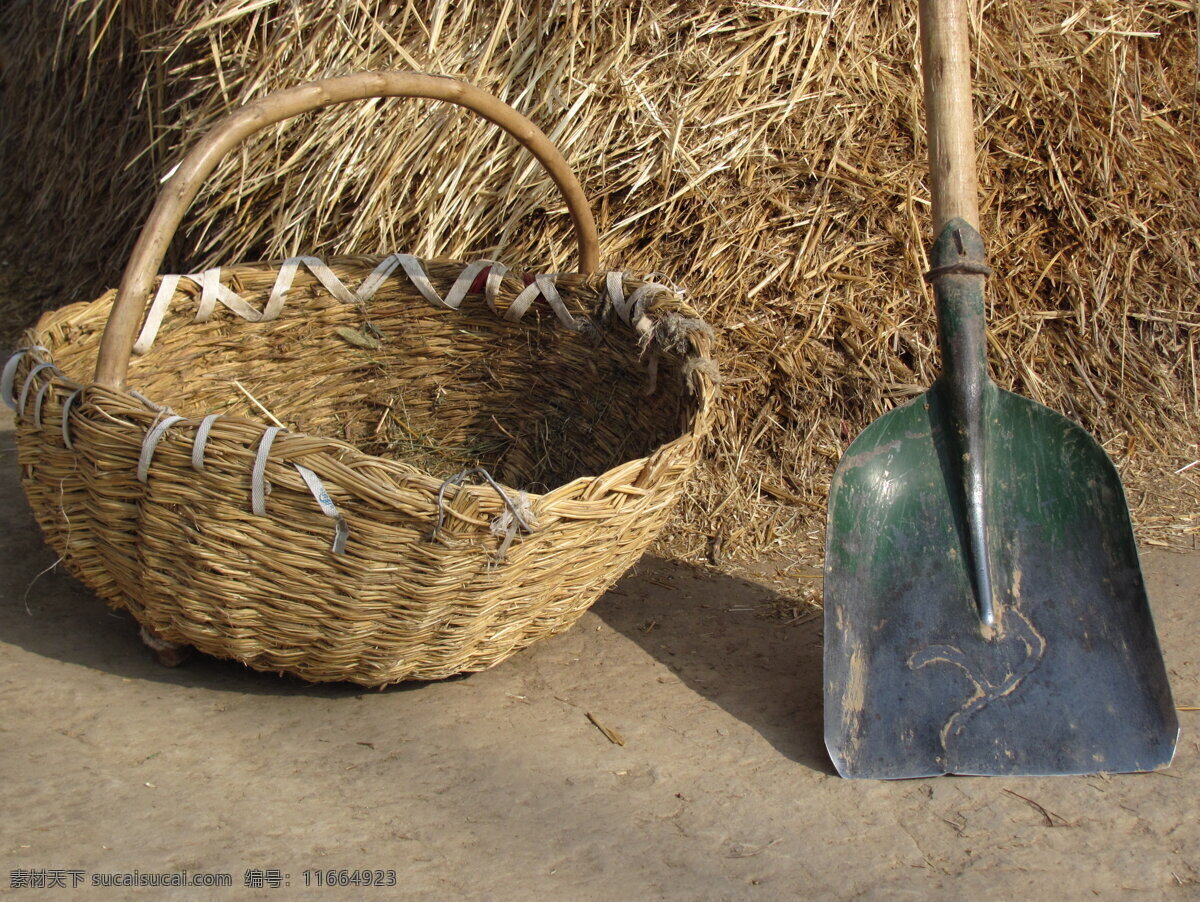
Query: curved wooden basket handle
x,y
181,189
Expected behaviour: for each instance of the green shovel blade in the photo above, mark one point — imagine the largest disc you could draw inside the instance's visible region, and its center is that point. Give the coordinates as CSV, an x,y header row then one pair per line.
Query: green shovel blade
x,y
1067,678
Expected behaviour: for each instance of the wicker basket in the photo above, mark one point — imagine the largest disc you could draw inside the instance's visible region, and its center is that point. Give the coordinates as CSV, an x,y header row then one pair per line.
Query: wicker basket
x,y
359,469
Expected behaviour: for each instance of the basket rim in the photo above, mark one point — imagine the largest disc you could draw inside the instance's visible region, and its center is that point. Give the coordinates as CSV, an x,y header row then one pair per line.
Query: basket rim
x,y
369,478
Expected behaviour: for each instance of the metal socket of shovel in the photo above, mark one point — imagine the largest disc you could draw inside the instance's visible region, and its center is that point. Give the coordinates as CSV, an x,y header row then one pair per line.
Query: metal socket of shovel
x,y
984,605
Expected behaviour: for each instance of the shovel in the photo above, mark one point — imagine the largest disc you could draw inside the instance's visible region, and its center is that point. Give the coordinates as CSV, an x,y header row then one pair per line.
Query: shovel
x,y
984,605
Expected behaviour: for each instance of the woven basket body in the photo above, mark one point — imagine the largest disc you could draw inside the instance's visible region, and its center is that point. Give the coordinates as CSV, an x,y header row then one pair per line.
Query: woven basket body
x,y
368,469
589,436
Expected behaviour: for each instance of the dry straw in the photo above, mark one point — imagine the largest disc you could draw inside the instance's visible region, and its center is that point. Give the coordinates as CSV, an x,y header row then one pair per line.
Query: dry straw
x,y
768,156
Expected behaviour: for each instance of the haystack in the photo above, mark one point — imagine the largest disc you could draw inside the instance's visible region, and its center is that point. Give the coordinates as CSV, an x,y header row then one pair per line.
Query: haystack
x,y
768,158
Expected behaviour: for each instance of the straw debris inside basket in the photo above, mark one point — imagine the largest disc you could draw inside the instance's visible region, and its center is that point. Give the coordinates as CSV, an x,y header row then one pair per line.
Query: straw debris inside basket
x,y
440,390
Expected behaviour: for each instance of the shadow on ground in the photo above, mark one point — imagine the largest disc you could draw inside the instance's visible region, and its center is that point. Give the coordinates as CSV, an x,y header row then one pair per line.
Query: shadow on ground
x,y
720,635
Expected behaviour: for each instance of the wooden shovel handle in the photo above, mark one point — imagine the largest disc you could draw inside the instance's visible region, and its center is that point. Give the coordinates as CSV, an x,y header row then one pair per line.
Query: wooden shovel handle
x,y
177,194
946,63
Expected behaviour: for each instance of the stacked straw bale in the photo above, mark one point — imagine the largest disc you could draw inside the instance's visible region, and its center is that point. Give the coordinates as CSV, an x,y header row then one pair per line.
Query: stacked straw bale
x,y
767,157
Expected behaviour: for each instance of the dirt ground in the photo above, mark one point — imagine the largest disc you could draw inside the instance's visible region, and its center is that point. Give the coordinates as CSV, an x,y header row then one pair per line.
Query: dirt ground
x,y
499,786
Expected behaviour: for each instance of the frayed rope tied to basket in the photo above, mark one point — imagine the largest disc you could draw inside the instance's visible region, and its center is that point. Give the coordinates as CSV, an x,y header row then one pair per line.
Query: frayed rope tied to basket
x,y
670,332
518,513
399,403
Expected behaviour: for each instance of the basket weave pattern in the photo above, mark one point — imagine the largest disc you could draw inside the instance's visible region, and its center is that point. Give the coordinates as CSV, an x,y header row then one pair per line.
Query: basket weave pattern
x,y
386,409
